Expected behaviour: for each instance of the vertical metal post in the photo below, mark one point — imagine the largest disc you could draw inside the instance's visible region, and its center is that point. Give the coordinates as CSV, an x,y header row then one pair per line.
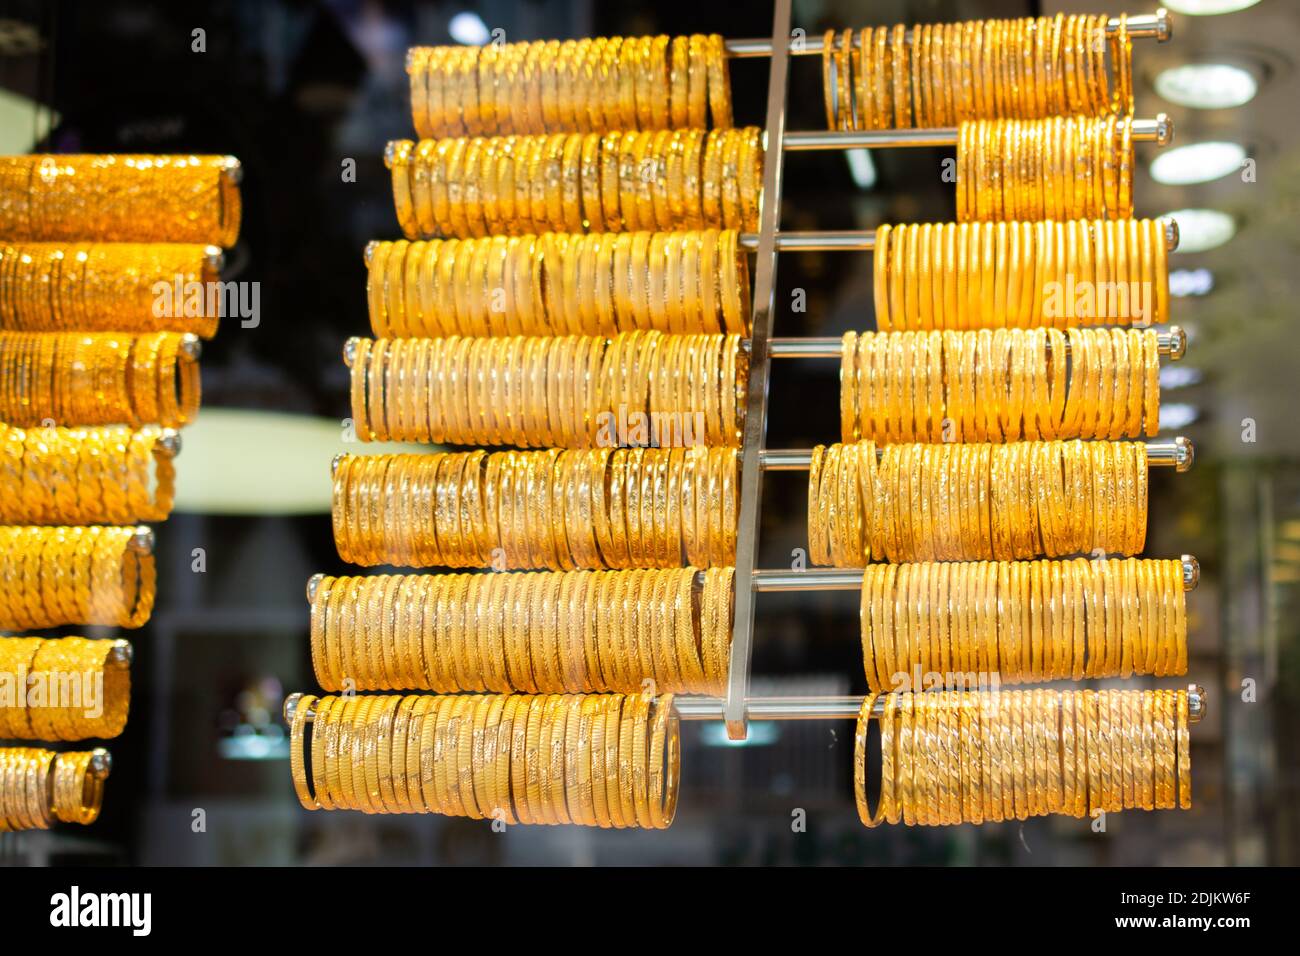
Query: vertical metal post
x,y
751,474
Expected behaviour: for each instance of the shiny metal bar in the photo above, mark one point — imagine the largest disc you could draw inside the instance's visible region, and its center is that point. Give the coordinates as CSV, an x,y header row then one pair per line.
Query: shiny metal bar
x,y
751,477
1172,343
1159,130
1144,26
1176,453
841,708
850,579
689,707
864,240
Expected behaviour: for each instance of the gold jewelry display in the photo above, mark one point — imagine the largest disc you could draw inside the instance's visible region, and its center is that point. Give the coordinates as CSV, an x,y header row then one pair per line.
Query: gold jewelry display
x,y
106,475
109,287
66,688
39,786
120,198
638,388
50,577
583,86
604,508
71,378
576,183
948,73
1021,274
960,502
549,632
607,760
1061,168
1022,622
560,284
974,757
999,386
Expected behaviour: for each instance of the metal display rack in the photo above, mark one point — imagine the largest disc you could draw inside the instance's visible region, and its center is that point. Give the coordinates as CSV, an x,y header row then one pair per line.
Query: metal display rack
x,y
738,707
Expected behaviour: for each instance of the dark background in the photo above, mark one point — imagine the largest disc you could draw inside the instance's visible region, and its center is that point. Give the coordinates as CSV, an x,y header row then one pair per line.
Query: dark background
x,y
293,90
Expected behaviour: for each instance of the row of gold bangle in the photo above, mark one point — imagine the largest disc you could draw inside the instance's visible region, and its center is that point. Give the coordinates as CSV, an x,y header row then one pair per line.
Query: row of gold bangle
x,y
1021,274
110,474
954,624
999,386
50,577
1074,167
66,688
606,760
550,632
560,284
942,74
585,86
69,379
575,182
959,502
120,198
558,510
107,287
639,388
40,786
950,757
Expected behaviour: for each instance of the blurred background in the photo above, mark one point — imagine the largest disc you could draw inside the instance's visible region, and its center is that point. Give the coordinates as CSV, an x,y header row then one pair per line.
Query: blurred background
x,y
297,89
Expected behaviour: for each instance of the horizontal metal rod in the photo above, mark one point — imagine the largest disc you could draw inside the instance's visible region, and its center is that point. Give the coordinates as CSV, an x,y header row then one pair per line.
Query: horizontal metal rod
x,y
785,708
1176,453
812,579
1172,343
850,579
1143,26
864,240
838,708
1159,130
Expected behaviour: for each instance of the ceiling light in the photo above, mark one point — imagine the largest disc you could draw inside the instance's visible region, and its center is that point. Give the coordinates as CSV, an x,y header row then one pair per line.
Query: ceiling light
x,y
1190,282
1207,86
1208,8
1176,415
1202,229
1179,376
468,28
1197,163
861,167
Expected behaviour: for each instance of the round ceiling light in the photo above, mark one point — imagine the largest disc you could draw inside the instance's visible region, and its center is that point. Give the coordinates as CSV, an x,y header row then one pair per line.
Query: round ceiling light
x,y
1208,8
1202,229
1207,86
1197,163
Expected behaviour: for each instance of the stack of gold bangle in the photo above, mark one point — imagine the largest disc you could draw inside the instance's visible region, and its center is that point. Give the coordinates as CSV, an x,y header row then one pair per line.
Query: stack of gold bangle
x,y
605,508
963,757
561,284
66,688
111,475
120,198
584,86
576,182
943,74
69,378
50,577
973,275
565,391
107,287
606,760
1022,621
657,631
1071,167
999,386
961,502
39,786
